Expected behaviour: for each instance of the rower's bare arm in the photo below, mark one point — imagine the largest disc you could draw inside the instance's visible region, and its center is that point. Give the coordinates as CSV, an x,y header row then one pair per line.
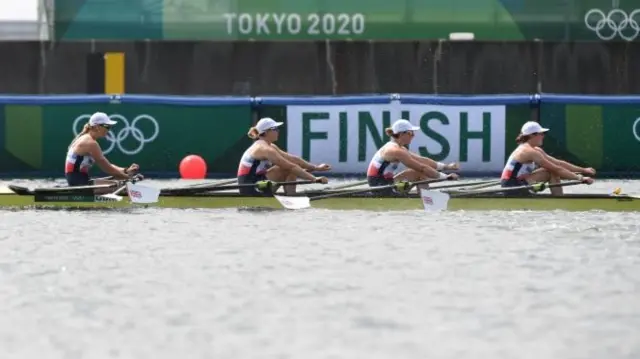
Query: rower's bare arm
x,y
277,159
552,167
408,160
434,164
104,164
561,163
295,159
425,160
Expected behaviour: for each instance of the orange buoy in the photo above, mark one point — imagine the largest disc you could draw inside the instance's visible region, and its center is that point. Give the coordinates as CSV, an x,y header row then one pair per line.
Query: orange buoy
x,y
193,167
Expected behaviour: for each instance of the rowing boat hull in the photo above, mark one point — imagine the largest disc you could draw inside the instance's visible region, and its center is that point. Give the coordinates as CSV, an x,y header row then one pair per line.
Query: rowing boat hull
x,y
539,203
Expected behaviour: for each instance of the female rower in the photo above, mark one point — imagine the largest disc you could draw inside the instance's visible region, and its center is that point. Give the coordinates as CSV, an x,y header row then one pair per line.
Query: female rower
x,y
84,151
529,164
385,161
263,160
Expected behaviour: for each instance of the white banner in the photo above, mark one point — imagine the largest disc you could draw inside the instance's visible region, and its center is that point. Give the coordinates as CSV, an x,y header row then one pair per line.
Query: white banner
x,y
347,136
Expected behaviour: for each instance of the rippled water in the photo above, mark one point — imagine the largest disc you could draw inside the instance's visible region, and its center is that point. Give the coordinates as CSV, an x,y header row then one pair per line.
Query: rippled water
x,y
320,284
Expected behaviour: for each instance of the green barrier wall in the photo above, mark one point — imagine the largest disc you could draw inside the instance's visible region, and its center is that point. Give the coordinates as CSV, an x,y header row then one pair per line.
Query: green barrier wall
x,y
154,133
602,132
478,131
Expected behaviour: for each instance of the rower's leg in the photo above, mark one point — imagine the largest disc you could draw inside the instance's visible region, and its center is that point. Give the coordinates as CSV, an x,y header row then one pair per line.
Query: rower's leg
x,y
542,175
412,176
278,174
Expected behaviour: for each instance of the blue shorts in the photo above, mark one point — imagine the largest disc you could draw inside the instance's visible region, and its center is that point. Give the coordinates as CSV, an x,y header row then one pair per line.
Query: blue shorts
x,y
381,181
252,190
514,182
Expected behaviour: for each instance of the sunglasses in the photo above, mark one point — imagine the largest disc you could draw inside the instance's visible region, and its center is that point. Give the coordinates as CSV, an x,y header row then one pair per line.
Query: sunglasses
x,y
274,129
410,133
108,127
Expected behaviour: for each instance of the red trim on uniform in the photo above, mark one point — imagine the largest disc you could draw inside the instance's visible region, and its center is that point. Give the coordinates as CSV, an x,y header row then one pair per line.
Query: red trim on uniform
x,y
243,170
375,172
372,171
506,174
68,168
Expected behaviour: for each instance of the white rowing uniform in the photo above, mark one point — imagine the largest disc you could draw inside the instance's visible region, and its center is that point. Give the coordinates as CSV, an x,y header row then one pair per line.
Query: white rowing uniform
x,y
514,171
250,166
381,171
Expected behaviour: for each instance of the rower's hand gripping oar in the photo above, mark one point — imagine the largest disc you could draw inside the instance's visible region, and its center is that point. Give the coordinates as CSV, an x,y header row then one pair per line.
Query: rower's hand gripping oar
x,y
301,202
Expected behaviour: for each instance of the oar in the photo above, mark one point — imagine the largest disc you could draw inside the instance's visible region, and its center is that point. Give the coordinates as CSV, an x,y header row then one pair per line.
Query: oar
x,y
335,188
213,184
260,185
117,194
195,188
359,183
70,188
124,186
301,202
439,200
120,190
476,185
536,187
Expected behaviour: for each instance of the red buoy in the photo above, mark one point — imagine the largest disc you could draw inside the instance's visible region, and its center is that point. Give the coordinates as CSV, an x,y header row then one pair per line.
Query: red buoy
x,y
193,167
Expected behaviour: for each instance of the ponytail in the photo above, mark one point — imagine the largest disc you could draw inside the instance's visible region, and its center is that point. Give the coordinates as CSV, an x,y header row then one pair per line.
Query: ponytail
x,y
389,132
85,130
522,138
253,133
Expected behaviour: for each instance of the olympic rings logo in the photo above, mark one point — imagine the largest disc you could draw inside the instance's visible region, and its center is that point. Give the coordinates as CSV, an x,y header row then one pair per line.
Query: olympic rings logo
x,y
616,21
634,128
122,132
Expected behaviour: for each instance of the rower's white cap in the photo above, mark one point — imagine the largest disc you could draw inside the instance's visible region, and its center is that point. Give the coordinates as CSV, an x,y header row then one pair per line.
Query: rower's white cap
x,y
402,126
532,127
101,118
267,123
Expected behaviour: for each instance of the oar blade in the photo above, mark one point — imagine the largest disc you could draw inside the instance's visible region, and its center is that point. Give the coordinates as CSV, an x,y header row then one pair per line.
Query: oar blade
x,y
142,194
291,202
434,201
